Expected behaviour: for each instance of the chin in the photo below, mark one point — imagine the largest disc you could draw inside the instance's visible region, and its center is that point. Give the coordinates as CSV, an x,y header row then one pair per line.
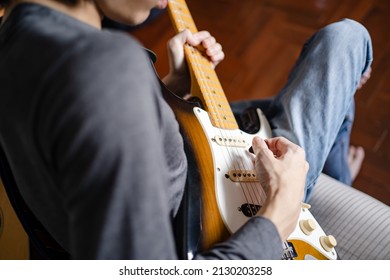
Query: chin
x,y
138,19
130,19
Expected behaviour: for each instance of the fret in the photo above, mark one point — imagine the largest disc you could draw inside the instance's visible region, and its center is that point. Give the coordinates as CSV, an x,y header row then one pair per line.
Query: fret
x,y
184,24
207,81
208,76
220,105
203,72
219,101
215,96
179,23
221,111
218,115
221,120
224,124
204,64
197,57
204,68
182,14
179,4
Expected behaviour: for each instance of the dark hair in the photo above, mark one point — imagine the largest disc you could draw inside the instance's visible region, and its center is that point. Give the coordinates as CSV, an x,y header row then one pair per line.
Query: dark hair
x,y
4,3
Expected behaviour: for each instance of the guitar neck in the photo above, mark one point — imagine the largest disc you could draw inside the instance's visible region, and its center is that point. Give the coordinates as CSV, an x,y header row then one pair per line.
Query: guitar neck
x,y
205,83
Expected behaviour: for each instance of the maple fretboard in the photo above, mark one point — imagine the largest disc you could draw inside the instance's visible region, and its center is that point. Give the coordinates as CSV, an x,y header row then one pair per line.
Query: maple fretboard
x,y
205,83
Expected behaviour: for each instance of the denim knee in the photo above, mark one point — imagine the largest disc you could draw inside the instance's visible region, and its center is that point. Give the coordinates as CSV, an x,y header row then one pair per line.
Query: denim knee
x,y
345,30
347,34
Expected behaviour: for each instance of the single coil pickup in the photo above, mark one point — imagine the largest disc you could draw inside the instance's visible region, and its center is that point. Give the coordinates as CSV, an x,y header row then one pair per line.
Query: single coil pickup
x,y
249,210
230,141
242,175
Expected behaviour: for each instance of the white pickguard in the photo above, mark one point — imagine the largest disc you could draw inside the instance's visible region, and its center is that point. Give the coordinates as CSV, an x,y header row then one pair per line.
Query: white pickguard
x,y
232,195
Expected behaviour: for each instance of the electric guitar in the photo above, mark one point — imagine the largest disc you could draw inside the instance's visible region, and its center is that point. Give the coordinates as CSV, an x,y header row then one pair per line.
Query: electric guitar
x,y
220,163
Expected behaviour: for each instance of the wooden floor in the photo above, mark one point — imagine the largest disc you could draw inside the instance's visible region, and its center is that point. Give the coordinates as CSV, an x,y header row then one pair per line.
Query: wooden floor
x,y
262,39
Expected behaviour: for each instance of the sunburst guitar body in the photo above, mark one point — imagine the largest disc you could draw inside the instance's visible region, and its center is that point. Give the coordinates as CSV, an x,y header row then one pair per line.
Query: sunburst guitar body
x,y
221,169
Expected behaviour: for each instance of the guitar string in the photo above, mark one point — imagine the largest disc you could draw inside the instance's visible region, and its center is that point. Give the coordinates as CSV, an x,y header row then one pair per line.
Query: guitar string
x,y
225,134
261,190
256,192
198,63
202,80
241,163
262,196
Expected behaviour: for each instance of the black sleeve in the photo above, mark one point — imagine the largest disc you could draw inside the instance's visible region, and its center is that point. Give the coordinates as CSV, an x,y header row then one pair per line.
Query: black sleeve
x,y
257,239
103,138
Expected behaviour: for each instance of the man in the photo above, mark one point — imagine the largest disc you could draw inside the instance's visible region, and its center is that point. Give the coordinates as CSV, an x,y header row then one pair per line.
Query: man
x,y
96,151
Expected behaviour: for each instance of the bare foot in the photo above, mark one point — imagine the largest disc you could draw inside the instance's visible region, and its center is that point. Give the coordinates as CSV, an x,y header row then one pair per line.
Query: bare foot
x,y
356,156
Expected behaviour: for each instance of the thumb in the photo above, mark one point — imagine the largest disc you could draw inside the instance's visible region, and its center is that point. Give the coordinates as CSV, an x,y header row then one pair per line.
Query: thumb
x,y
258,144
261,149
182,37
263,161
176,51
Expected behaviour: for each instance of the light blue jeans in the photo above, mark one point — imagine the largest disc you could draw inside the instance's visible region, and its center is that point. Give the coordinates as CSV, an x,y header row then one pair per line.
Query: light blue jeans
x,y
315,109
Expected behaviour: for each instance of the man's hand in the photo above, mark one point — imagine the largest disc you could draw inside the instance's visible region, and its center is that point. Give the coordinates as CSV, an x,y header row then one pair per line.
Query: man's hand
x,y
281,168
178,78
